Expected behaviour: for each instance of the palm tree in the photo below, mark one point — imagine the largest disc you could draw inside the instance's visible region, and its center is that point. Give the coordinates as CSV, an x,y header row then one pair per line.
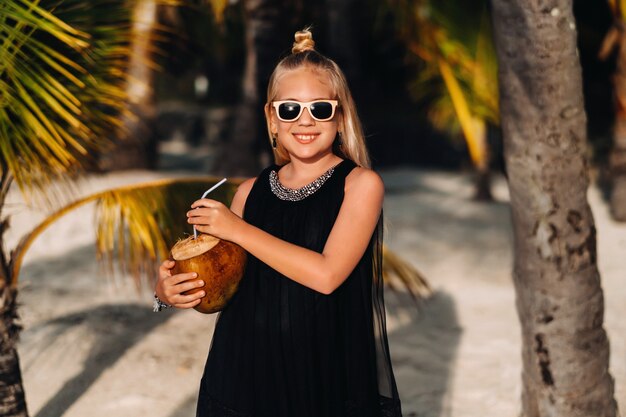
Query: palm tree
x,y
62,91
559,299
615,39
458,74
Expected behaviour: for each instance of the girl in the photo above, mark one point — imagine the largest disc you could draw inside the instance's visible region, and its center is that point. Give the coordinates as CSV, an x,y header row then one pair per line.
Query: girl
x,y
305,334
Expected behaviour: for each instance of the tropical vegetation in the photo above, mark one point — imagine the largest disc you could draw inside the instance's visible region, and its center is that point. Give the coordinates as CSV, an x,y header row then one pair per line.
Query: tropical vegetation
x,y
458,76
65,82
62,79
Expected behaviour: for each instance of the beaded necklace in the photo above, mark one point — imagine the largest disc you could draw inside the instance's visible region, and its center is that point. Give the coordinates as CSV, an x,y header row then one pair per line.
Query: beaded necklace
x,y
297,194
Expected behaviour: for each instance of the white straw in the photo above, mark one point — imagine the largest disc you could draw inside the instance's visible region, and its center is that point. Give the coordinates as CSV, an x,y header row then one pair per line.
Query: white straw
x,y
222,181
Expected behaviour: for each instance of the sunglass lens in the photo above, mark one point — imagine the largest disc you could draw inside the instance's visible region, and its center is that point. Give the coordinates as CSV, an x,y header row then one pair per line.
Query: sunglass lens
x,y
322,110
288,111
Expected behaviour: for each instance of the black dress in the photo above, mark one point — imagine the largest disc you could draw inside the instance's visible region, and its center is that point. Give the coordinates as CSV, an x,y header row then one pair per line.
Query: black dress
x,y
281,349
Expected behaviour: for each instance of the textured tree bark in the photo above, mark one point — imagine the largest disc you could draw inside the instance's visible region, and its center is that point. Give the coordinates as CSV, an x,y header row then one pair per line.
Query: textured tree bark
x,y
559,299
617,159
12,400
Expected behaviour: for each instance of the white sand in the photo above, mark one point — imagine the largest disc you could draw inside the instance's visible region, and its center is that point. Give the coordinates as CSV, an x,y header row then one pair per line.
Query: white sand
x,y
93,347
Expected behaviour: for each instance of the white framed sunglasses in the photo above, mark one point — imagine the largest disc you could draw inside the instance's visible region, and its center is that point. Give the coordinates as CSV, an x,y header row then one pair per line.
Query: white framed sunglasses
x,y
291,110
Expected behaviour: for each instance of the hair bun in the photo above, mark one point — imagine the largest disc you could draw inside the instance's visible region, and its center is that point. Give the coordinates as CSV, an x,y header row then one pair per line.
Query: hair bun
x,y
304,42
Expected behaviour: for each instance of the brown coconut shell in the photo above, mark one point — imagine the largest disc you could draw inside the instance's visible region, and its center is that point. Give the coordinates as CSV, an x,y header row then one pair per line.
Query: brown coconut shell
x,y
219,263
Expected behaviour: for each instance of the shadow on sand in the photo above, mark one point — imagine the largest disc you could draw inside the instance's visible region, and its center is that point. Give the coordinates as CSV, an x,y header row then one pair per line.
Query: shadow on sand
x,y
186,408
423,345
114,329
423,349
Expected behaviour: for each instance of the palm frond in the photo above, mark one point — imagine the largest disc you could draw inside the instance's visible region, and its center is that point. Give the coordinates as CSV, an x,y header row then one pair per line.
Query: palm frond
x,y
456,45
398,272
139,223
443,117
62,84
136,224
464,114
484,78
63,72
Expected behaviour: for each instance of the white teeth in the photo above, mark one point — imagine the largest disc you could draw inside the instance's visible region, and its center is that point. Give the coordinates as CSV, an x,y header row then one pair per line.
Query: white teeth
x,y
305,137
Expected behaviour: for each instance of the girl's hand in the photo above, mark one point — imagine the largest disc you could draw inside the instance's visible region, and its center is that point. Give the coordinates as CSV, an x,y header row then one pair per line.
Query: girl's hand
x,y
214,218
169,288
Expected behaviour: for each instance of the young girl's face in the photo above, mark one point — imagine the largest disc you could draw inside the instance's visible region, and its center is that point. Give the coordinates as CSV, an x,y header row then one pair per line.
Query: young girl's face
x,y
305,138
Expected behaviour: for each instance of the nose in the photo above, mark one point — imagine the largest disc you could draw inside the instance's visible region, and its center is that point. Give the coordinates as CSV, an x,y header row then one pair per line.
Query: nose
x,y
305,118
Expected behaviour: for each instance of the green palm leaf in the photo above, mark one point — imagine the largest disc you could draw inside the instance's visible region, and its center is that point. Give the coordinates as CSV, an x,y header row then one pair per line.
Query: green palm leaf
x,y
458,78
63,77
62,85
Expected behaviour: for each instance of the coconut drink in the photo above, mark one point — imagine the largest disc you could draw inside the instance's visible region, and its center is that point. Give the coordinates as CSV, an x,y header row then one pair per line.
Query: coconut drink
x,y
219,263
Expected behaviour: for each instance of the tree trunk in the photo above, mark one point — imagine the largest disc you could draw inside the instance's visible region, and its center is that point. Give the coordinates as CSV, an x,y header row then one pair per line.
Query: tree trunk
x,y
248,138
12,402
482,185
617,158
559,299
482,180
136,149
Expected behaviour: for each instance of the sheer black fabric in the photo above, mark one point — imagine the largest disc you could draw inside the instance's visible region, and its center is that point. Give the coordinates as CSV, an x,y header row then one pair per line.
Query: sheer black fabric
x,y
281,349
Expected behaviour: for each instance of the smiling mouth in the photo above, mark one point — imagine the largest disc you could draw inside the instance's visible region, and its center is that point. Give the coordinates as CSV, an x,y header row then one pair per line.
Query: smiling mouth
x,y
305,138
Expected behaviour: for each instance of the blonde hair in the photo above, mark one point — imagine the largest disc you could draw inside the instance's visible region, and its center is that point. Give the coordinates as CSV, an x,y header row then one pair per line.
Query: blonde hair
x,y
303,54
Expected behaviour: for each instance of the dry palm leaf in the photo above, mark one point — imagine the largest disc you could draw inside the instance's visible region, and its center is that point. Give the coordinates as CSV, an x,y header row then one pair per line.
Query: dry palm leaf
x,y
398,272
137,224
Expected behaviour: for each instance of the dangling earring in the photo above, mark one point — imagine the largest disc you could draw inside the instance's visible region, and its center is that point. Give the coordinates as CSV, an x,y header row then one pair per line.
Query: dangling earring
x,y
273,141
340,140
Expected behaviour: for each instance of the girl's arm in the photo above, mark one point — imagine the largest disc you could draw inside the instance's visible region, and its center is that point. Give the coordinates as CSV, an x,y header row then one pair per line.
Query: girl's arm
x,y
322,272
169,288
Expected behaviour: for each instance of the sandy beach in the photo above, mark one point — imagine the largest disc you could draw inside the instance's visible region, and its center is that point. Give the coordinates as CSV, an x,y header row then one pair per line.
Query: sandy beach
x,y
92,346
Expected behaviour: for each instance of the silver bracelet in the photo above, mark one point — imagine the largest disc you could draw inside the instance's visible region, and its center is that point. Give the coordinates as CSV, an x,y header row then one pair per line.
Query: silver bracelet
x,y
159,305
